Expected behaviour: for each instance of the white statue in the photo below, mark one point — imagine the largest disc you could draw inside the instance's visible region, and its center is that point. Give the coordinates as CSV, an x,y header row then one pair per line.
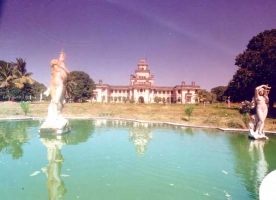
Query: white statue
x,y
57,92
260,102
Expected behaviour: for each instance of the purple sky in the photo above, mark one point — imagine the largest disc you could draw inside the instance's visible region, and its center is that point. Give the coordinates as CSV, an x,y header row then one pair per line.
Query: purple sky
x,y
182,40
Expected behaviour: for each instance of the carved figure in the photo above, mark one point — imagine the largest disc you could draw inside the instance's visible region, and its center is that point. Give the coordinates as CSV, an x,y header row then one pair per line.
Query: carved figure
x,y
59,72
260,101
57,87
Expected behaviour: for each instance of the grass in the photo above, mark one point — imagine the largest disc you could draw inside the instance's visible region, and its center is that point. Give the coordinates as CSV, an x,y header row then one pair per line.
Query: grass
x,y
214,115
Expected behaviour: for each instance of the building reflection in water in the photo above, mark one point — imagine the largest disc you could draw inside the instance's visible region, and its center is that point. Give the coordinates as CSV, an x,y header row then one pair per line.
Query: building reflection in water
x,y
140,132
55,184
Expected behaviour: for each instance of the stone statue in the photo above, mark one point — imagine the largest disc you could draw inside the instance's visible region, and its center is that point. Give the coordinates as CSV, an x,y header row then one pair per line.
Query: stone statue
x,y
55,119
260,102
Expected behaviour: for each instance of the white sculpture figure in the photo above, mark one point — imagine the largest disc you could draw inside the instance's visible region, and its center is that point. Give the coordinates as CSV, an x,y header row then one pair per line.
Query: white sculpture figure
x,y
55,119
260,101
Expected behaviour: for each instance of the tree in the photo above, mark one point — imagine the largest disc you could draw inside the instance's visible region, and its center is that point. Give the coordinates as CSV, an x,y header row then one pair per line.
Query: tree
x,y
205,96
7,75
15,75
69,88
189,110
256,66
36,89
219,92
83,87
22,77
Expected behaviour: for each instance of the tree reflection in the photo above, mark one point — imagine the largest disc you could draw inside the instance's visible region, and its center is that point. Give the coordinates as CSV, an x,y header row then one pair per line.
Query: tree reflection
x,y
13,134
81,131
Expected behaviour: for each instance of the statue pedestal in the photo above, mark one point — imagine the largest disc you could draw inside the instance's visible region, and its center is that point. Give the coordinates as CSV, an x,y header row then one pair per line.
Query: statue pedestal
x,y
58,126
256,136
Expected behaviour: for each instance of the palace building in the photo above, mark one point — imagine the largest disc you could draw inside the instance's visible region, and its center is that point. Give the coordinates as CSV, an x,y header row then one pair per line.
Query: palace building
x,y
142,90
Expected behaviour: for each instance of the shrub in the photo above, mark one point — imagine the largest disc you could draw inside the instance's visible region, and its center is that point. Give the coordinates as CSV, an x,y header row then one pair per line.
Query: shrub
x,y
246,107
25,107
189,110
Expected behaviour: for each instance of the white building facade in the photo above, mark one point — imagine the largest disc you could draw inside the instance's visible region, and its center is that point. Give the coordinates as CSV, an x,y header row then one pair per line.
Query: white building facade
x,y
142,89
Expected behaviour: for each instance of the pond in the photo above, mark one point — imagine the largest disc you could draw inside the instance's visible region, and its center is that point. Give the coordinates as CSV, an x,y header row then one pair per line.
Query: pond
x,y
115,159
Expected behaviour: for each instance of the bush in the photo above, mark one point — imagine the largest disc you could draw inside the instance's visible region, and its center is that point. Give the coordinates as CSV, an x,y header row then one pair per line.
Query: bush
x,y
246,107
189,110
25,107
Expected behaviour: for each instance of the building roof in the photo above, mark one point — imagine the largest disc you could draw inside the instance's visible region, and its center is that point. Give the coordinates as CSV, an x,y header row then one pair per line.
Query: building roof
x,y
143,62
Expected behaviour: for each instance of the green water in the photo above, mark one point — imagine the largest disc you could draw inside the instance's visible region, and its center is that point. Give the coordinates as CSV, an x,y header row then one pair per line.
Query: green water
x,y
129,160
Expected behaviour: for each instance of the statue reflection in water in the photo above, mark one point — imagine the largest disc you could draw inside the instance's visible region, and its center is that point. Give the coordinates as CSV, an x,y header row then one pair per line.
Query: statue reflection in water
x,y
256,152
55,184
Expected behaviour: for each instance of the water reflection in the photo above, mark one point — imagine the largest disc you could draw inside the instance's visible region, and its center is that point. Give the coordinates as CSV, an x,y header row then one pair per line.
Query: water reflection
x,y
252,152
140,135
256,151
13,134
141,132
55,185
82,130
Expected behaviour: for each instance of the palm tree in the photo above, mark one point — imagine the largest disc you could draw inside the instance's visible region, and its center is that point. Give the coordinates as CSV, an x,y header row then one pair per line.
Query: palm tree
x,y
22,77
7,77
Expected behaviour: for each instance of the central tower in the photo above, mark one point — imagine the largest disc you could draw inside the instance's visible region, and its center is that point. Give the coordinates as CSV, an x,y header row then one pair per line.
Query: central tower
x,y
142,75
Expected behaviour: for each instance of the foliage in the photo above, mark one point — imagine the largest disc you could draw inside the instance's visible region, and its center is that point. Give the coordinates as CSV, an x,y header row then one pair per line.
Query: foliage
x,y
156,99
22,77
256,66
189,110
245,110
81,87
13,136
7,77
205,96
219,92
36,89
246,107
14,76
25,107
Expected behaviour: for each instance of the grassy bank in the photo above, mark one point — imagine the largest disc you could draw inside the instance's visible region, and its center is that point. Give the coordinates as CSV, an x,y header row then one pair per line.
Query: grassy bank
x,y
216,115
